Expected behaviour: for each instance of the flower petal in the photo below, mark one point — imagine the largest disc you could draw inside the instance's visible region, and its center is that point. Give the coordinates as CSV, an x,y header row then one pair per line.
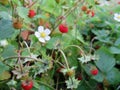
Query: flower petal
x,y
37,34
115,18
40,29
47,31
47,38
42,40
116,14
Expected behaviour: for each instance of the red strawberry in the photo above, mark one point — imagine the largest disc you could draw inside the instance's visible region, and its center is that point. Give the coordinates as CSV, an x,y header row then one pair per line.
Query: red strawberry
x,y
32,13
118,2
79,77
94,71
27,85
91,13
97,47
63,28
84,8
111,13
59,69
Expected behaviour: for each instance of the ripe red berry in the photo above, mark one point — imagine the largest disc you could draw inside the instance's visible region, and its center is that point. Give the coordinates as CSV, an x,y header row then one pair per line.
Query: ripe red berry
x,y
32,13
84,8
27,85
91,13
63,28
118,2
59,69
79,77
94,71
97,47
111,13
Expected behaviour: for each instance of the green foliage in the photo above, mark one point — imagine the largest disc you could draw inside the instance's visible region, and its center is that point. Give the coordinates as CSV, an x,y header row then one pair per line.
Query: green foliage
x,y
115,50
3,67
106,61
6,29
4,86
22,12
51,7
5,75
92,42
113,76
7,51
5,15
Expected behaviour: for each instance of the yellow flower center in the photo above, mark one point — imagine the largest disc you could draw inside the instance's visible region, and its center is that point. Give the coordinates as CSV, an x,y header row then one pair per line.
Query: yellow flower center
x,y
43,34
118,17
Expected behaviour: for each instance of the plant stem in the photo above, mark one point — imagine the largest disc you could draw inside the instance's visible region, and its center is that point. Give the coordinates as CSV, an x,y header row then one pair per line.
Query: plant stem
x,y
91,44
7,65
22,57
12,7
64,58
19,53
19,61
51,88
27,47
82,52
73,8
57,83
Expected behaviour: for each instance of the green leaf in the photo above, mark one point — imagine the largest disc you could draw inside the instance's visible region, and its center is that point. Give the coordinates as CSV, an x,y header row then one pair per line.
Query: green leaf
x,y
106,60
42,87
53,43
22,12
3,8
115,50
75,34
5,15
5,75
51,7
99,77
83,86
8,51
102,35
117,42
4,86
3,67
6,29
36,85
113,76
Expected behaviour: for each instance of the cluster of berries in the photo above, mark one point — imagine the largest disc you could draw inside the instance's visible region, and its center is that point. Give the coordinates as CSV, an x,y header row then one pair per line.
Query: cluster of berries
x,y
88,11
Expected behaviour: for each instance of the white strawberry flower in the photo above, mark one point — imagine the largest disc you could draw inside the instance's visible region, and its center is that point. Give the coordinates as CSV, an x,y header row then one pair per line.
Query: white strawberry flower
x,y
43,34
117,17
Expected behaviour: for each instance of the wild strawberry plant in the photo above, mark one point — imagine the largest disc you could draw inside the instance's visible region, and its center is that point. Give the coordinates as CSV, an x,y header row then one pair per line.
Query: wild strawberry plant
x,y
59,45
